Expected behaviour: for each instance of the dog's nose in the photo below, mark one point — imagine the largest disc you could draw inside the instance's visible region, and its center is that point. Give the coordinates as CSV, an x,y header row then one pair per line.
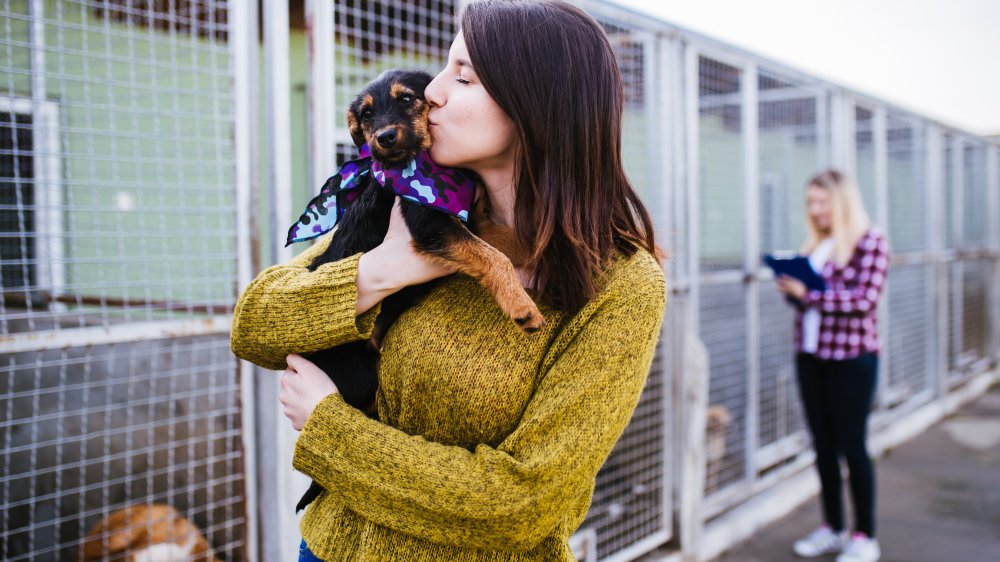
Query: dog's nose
x,y
387,138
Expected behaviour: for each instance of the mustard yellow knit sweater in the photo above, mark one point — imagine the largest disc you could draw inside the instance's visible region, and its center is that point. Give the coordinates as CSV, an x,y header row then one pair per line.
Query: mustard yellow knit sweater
x,y
489,439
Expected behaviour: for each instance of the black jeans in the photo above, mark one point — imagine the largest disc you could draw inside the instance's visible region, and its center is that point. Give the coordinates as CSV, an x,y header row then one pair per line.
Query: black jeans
x,y
837,397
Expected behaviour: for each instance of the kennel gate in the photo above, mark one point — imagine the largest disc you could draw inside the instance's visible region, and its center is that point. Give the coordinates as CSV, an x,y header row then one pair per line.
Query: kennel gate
x,y
119,149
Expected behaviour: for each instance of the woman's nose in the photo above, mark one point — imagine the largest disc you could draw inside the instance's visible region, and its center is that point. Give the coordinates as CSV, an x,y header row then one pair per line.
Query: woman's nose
x,y
433,93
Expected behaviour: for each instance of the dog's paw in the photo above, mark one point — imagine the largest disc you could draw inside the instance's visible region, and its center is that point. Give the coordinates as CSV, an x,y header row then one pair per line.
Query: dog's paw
x,y
530,319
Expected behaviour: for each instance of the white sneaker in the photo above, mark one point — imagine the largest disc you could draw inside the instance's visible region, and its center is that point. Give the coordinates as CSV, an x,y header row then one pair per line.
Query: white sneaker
x,y
861,549
819,542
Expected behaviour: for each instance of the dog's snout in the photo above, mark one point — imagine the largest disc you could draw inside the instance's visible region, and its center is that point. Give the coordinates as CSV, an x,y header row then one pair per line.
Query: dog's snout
x,y
387,138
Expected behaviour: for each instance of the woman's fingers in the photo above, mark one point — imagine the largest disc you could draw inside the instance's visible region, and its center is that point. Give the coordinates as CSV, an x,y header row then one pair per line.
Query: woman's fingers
x,y
295,361
397,225
790,286
784,284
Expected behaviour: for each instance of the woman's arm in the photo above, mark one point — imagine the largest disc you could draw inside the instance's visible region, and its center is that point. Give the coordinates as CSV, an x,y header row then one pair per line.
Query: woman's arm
x,y
289,309
864,288
511,496
393,265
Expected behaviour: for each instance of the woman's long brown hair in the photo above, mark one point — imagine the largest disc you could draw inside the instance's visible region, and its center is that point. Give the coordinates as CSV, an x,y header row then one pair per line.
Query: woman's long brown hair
x,y
550,67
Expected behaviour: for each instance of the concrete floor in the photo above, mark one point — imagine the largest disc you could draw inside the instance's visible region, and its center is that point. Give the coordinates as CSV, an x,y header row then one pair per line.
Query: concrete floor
x,y
938,497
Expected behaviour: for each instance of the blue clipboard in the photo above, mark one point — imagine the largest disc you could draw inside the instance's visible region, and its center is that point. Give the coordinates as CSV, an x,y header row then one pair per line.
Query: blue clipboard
x,y
797,267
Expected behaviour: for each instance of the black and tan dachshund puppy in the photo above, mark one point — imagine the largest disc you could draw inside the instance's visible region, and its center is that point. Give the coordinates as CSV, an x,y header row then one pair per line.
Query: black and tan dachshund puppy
x,y
390,116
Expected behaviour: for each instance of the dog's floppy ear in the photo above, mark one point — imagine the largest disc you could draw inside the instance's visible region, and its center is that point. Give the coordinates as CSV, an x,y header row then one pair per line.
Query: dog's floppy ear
x,y
354,126
418,80
424,80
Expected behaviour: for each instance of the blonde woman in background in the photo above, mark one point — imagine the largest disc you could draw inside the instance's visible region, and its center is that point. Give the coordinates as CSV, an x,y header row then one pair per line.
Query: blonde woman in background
x,y
837,347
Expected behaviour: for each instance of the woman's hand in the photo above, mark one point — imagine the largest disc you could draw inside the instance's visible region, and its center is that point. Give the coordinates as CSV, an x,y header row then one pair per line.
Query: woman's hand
x,y
393,264
303,385
791,287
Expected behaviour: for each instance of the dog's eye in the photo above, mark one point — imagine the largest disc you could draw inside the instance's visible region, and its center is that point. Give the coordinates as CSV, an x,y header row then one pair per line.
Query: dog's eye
x,y
406,98
366,113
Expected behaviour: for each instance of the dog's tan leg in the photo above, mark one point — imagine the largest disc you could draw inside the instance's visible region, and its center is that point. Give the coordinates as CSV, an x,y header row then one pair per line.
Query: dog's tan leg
x,y
494,271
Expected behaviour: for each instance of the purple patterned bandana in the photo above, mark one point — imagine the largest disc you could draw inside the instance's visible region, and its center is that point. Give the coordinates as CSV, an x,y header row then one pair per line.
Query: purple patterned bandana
x,y
449,190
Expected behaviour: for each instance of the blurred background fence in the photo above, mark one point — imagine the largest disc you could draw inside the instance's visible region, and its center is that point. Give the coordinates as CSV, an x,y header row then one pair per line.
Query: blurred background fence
x,y
152,153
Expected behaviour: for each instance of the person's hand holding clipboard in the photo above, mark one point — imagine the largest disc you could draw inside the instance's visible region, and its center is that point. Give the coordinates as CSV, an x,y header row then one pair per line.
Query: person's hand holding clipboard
x,y
795,276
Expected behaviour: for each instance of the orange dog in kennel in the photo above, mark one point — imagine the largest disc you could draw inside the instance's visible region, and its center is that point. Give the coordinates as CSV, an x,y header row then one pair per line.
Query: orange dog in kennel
x,y
146,533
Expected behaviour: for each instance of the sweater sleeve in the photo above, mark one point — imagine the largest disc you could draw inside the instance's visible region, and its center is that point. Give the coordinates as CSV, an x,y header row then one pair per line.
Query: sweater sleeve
x,y
512,496
863,288
289,309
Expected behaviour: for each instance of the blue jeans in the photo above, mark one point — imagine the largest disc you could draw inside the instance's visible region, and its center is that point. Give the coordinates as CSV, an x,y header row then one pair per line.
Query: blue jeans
x,y
305,555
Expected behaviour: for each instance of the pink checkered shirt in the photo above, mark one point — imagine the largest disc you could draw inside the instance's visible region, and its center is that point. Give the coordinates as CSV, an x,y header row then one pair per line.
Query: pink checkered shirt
x,y
848,321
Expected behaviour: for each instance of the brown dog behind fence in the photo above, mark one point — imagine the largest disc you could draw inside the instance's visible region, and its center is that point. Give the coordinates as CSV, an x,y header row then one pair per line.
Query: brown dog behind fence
x,y
146,532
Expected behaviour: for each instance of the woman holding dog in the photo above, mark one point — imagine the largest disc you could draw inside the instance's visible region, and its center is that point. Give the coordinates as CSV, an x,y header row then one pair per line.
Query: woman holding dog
x,y
489,439
837,344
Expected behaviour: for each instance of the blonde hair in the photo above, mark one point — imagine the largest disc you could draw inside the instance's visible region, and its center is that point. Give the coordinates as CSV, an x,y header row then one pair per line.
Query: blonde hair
x,y
848,219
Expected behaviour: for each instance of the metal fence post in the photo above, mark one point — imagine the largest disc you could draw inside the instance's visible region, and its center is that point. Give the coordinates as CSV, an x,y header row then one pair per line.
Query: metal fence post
x,y
671,65
695,383
881,145
958,241
245,59
993,195
751,262
660,104
320,91
842,133
279,484
935,186
692,188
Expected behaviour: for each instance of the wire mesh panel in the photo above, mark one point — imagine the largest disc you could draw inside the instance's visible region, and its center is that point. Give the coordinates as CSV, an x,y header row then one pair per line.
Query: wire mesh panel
x,y
721,169
864,157
973,356
950,192
975,330
909,286
909,339
780,409
635,62
628,504
135,140
792,144
117,236
907,183
967,207
953,336
975,212
723,313
723,319
87,430
791,150
951,237
968,326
